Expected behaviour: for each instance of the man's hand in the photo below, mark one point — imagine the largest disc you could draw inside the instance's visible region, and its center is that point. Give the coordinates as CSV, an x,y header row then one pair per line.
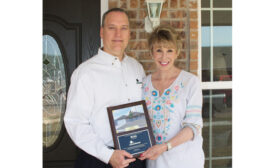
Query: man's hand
x,y
153,152
121,159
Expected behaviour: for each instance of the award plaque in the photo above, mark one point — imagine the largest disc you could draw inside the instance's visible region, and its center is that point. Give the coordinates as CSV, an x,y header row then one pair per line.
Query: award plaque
x,y
131,127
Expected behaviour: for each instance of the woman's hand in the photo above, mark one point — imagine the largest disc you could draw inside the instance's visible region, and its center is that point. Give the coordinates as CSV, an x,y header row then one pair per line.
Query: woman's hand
x,y
153,152
186,134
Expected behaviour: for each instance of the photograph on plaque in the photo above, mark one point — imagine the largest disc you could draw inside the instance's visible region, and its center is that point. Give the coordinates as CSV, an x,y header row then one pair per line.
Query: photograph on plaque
x,y
129,118
131,127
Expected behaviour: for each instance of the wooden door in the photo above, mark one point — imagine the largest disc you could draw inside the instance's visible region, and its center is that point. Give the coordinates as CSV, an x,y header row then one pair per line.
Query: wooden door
x,y
74,25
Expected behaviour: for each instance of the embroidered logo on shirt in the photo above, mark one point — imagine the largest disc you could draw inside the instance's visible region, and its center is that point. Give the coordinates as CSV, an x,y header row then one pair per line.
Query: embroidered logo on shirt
x,y
138,82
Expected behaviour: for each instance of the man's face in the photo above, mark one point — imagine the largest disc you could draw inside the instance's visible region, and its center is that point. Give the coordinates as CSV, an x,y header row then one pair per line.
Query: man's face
x,y
115,33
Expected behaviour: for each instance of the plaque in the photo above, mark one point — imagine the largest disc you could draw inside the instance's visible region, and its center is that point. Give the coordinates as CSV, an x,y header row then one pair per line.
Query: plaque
x,y
131,127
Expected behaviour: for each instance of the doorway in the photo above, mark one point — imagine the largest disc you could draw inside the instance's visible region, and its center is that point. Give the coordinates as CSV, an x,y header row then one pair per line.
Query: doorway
x,y
70,36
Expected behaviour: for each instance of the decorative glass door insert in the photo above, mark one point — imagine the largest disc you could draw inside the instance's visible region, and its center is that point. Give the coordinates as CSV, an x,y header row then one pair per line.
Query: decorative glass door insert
x,y
54,90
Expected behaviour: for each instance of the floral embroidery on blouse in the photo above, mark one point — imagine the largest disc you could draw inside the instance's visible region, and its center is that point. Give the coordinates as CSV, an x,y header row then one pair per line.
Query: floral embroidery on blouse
x,y
154,93
167,92
159,108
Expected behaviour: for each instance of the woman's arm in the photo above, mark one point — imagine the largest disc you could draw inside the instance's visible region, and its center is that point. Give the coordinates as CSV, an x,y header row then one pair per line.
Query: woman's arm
x,y
153,153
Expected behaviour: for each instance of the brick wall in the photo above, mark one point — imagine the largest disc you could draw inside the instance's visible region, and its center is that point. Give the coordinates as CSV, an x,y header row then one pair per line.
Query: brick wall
x,y
181,14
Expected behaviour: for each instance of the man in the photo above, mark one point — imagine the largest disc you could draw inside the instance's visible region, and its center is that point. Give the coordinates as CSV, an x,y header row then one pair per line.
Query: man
x,y
109,78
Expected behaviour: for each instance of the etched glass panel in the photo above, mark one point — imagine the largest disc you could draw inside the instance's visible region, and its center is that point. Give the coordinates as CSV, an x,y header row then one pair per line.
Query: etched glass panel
x,y
54,90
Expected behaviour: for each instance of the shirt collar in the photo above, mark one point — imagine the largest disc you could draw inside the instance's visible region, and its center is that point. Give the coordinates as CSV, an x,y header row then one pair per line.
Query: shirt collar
x,y
105,58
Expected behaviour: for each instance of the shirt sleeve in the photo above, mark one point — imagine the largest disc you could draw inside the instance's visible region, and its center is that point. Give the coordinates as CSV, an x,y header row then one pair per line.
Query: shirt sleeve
x,y
193,113
79,107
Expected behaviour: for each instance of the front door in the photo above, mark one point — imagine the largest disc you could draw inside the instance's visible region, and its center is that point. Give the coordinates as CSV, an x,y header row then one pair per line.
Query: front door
x,y
70,36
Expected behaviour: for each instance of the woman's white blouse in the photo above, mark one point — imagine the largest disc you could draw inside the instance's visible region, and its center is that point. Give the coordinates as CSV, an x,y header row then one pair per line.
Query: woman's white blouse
x,y
179,106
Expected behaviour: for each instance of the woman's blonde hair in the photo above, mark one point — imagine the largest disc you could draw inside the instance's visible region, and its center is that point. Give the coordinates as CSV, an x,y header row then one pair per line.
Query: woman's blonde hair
x,y
164,35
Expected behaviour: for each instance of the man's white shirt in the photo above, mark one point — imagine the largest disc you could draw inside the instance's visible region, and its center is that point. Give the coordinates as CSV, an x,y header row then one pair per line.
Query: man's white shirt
x,y
98,83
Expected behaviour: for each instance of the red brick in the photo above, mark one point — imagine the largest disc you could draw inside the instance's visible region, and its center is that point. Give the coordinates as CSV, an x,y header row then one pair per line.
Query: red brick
x,y
138,45
134,4
193,65
165,22
137,24
193,45
165,5
195,72
144,55
123,4
194,35
164,14
193,15
177,24
142,14
183,45
194,24
173,4
182,34
182,55
132,14
131,54
142,4
143,35
193,54
148,66
182,3
193,5
112,4
177,14
180,64
133,35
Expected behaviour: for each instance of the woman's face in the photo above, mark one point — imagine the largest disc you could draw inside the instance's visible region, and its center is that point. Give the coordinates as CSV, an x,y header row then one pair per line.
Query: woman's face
x,y
164,56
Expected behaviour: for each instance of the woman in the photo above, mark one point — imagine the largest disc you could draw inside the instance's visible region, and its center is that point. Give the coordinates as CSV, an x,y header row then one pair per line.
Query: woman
x,y
174,101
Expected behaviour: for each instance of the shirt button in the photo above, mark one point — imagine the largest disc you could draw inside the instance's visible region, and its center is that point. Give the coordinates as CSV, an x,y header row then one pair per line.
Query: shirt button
x,y
128,99
115,58
126,85
112,63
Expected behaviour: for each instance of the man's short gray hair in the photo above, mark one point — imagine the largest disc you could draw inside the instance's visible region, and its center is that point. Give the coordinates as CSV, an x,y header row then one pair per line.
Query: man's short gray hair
x,y
113,10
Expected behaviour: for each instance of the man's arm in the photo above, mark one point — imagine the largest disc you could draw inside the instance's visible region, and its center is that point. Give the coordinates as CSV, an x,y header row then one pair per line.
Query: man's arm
x,y
79,108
